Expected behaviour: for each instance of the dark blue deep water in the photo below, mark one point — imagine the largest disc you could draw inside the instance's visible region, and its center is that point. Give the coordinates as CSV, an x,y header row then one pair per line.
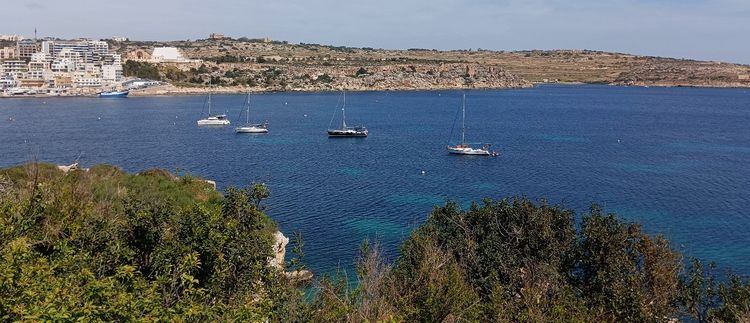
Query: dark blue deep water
x,y
675,159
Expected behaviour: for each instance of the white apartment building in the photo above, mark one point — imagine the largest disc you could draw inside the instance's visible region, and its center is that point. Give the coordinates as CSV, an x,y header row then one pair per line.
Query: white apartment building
x,y
89,51
7,83
84,81
14,68
7,53
46,48
111,59
61,64
39,67
111,73
112,68
26,47
91,69
10,37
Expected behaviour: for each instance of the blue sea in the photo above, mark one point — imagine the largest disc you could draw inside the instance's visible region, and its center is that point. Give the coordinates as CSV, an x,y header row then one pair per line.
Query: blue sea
x,y
676,160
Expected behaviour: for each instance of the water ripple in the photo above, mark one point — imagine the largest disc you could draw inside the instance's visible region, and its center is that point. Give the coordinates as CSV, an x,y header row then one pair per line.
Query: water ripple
x,y
674,159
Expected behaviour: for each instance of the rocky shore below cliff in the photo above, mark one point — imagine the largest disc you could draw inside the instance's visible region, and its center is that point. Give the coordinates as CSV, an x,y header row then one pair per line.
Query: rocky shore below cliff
x,y
263,78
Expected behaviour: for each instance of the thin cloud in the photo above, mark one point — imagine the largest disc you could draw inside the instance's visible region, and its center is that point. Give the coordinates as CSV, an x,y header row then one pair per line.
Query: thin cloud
x,y
33,5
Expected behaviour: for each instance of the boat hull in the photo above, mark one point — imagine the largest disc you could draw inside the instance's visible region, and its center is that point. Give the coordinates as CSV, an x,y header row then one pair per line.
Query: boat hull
x,y
346,133
114,94
468,151
250,130
206,122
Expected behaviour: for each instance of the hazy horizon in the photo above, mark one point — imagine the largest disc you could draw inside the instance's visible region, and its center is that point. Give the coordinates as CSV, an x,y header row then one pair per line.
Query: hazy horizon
x,y
693,29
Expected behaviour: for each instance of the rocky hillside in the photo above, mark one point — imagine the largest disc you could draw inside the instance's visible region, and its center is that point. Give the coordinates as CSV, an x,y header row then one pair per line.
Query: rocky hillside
x,y
244,64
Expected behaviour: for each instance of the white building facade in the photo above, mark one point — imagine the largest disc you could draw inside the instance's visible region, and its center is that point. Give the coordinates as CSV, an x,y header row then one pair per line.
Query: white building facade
x,y
62,64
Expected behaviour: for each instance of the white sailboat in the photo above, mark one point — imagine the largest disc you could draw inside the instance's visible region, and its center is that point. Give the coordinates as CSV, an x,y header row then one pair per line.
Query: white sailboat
x,y
464,148
213,120
249,127
346,131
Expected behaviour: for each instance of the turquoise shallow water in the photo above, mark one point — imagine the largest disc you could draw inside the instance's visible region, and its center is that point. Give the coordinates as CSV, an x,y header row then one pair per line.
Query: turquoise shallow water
x,y
674,159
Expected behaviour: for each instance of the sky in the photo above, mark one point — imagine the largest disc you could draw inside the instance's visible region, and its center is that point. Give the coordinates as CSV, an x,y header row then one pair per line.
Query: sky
x,y
717,30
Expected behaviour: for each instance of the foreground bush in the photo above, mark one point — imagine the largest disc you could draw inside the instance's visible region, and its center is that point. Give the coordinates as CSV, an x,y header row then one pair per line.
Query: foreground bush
x,y
107,245
517,261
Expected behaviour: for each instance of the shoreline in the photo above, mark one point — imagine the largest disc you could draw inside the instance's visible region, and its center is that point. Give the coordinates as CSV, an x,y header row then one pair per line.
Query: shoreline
x,y
177,91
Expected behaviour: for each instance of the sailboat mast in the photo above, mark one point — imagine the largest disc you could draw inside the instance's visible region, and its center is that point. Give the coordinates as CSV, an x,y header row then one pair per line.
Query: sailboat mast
x,y
247,102
209,97
463,121
343,113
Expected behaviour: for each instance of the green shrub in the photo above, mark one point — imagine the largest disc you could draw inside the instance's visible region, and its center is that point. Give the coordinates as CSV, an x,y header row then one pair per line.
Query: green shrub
x,y
361,71
514,260
141,70
106,245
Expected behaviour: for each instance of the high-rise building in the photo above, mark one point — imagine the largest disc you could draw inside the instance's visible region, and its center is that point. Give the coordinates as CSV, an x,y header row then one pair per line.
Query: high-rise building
x,y
112,68
89,51
27,47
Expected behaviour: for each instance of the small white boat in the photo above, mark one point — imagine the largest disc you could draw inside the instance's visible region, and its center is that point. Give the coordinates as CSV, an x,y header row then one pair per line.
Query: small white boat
x,y
113,94
216,120
250,127
346,131
213,120
464,148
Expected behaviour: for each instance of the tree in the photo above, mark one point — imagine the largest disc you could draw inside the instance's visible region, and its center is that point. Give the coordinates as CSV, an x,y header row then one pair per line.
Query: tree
x,y
258,193
514,260
141,70
361,71
325,78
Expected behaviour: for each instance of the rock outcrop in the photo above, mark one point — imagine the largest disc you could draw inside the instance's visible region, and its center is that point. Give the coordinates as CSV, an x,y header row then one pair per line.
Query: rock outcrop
x,y
677,73
71,167
279,250
257,78
278,260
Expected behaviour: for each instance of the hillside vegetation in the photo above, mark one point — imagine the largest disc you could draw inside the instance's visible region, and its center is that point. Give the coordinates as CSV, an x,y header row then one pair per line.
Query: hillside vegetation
x,y
104,245
514,260
246,64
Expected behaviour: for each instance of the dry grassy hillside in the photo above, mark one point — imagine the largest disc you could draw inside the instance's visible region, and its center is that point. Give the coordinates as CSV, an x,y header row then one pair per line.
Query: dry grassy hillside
x,y
244,63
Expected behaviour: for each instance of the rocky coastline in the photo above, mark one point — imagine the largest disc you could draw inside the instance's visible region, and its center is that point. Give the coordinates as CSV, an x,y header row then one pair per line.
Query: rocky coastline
x,y
240,66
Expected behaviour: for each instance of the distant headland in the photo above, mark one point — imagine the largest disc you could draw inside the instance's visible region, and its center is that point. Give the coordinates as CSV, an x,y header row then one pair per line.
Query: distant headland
x,y
54,67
